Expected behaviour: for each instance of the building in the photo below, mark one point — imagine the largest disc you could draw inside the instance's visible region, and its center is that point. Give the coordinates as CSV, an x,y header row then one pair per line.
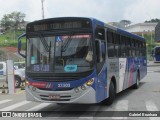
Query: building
x,y
22,25
141,28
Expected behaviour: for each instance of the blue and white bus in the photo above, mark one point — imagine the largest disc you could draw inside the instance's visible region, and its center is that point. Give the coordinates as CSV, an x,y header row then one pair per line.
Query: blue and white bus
x,y
156,54
80,60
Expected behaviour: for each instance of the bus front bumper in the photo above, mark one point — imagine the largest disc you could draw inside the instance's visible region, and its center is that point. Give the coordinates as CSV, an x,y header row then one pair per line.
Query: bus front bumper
x,y
87,96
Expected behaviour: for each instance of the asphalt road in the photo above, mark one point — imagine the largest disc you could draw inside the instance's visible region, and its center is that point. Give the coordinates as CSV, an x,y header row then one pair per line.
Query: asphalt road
x,y
146,98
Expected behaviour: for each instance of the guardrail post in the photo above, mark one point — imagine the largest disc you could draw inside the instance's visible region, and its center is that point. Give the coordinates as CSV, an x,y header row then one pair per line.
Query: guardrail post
x,y
10,77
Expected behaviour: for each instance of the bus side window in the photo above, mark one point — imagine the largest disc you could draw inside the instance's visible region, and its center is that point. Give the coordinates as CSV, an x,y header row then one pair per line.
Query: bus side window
x,y
103,49
123,46
100,44
100,33
133,47
129,47
110,44
116,44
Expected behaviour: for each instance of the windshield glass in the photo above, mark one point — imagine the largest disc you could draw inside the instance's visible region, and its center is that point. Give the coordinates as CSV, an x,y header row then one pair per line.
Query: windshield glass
x,y
59,54
157,51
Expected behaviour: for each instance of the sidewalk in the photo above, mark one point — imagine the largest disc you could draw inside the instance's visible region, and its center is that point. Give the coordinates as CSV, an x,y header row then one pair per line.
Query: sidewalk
x,y
152,63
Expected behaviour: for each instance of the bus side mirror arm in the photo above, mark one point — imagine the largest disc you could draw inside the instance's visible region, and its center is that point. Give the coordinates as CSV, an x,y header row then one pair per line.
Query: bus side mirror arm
x,y
19,45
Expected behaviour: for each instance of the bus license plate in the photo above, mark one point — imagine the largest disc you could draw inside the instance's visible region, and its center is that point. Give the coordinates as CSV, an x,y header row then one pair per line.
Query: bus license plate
x,y
54,96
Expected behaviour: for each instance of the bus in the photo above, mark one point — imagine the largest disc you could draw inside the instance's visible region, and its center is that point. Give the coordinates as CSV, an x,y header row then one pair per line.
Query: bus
x,y
80,60
156,54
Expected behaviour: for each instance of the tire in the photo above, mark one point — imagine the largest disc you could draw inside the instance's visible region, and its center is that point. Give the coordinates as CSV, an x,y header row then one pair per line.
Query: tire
x,y
112,95
17,82
136,85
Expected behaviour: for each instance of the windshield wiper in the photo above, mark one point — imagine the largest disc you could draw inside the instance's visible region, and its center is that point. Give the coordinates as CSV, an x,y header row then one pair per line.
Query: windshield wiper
x,y
64,47
46,46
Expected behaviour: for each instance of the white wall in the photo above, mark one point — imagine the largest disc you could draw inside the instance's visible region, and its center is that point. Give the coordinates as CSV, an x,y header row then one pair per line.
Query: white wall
x,y
142,27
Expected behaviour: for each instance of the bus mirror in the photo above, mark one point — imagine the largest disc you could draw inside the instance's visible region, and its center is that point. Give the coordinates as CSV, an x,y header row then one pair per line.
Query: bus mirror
x,y
20,45
98,51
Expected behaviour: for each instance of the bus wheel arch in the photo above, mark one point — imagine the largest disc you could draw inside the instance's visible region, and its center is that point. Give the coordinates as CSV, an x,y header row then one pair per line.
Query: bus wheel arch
x,y
112,92
113,79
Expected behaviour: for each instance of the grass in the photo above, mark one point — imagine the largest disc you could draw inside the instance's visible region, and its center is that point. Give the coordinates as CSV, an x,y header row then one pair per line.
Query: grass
x,y
10,38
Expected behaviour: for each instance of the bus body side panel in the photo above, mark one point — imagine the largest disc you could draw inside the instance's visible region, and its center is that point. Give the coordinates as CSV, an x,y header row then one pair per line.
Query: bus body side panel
x,y
126,73
143,67
122,73
113,71
101,85
131,71
132,67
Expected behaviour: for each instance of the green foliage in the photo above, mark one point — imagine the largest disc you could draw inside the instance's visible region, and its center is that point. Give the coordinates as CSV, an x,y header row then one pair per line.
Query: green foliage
x,y
10,38
12,20
153,20
150,43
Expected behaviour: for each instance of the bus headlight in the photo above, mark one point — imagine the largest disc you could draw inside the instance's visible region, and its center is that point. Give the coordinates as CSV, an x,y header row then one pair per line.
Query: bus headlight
x,y
33,88
83,87
76,90
26,83
90,82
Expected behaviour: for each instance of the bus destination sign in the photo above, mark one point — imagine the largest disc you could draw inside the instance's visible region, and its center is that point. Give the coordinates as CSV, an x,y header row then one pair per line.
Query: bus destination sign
x,y
58,25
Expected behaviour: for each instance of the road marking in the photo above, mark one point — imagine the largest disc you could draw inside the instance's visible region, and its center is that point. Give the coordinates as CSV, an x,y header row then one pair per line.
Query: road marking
x,y
152,107
150,71
14,106
38,107
121,106
4,101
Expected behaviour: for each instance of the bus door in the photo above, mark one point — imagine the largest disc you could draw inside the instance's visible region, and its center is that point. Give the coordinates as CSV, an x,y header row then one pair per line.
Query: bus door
x,y
101,70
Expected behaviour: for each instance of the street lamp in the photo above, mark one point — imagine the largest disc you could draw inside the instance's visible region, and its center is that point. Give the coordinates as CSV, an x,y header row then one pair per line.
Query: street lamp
x,y
42,1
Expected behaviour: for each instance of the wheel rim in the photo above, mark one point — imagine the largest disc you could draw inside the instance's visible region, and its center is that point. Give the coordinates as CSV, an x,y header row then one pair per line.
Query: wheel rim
x,y
16,84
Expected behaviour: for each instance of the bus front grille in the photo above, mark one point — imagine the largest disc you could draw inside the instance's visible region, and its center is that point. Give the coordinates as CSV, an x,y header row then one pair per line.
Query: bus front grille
x,y
55,99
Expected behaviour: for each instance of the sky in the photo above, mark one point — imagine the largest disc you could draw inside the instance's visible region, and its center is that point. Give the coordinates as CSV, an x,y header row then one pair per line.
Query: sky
x,y
137,11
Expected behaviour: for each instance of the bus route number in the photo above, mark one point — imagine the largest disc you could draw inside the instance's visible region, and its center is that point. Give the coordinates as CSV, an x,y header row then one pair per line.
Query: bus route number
x,y
64,85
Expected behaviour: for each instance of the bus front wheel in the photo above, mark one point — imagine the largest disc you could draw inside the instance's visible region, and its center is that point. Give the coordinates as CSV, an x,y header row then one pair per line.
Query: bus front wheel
x,y
112,94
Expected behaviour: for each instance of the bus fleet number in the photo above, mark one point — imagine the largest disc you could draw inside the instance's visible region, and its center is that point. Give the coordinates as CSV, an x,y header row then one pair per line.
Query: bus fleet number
x,y
64,85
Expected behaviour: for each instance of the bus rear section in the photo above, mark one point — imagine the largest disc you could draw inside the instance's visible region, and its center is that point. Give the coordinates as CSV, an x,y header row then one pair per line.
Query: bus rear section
x,y
156,54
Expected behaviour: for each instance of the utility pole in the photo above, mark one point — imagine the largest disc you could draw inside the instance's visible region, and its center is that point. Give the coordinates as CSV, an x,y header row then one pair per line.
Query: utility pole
x,y
42,1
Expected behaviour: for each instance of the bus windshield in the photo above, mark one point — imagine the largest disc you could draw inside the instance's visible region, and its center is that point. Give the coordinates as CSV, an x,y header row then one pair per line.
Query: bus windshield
x,y
157,51
59,54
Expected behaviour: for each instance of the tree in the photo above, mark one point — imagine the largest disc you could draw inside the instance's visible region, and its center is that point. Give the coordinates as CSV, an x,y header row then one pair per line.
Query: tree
x,y
12,20
6,23
153,20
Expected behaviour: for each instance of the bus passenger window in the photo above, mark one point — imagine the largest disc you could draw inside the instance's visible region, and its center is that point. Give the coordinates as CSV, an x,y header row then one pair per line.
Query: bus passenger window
x,y
103,47
100,33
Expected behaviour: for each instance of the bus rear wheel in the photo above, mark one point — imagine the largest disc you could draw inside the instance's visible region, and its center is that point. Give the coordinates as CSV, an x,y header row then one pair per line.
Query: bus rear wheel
x,y
136,85
112,95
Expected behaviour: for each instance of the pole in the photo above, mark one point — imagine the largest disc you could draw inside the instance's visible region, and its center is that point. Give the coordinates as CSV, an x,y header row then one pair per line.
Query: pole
x,y
42,9
151,37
